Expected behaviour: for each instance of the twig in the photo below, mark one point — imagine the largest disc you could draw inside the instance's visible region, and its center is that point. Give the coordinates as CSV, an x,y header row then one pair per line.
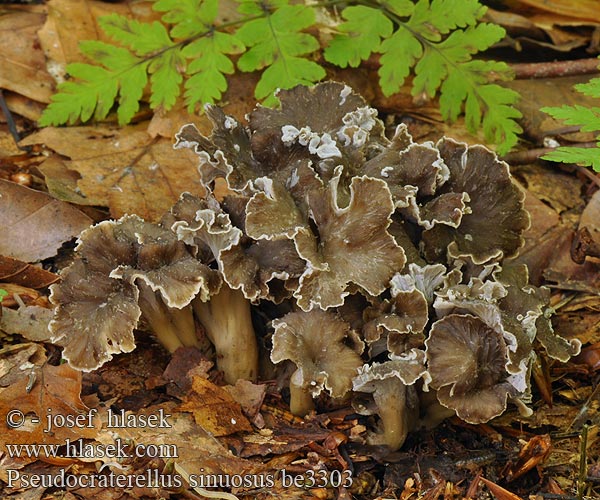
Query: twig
x,y
556,496
524,71
555,68
10,121
590,175
531,155
581,482
525,157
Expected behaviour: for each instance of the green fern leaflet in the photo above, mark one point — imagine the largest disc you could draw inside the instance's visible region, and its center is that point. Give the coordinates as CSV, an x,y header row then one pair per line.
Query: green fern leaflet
x,y
588,119
192,51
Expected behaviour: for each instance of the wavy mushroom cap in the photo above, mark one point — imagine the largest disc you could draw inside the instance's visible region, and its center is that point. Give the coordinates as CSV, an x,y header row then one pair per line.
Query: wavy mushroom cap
x,y
467,363
97,299
317,342
493,228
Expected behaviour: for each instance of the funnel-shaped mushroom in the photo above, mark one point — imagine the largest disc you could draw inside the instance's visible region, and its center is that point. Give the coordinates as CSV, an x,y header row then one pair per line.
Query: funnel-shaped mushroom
x,y
467,362
354,245
316,342
392,387
125,269
494,226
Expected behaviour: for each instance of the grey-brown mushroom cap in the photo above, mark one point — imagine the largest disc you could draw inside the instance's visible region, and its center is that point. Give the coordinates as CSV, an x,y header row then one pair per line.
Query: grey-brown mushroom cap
x,y
327,123
427,279
97,299
260,268
526,313
94,318
354,245
245,264
303,106
408,368
163,263
95,315
316,342
494,227
183,214
447,209
405,163
398,321
466,360
226,153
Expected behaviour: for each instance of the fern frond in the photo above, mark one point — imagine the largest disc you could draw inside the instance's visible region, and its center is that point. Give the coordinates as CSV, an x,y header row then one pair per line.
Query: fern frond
x,y
208,67
588,157
438,42
141,38
591,88
440,17
277,41
359,36
151,39
188,16
588,119
191,48
94,94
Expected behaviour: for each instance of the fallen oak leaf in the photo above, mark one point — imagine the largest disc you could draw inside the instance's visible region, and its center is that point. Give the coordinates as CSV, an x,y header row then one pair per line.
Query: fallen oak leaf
x,y
34,225
30,322
55,391
22,60
24,274
123,168
214,408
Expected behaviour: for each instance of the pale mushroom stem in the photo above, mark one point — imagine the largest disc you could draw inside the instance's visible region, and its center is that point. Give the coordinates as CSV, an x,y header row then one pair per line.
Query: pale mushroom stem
x,y
390,398
173,327
227,320
301,401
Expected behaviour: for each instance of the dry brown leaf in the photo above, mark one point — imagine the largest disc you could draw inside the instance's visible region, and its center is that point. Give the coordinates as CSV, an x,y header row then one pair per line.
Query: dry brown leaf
x,y
23,106
14,357
534,453
123,168
30,322
281,440
56,391
531,32
197,451
70,21
214,409
22,61
17,295
8,147
580,9
24,274
567,274
34,225
535,93
247,394
62,182
498,491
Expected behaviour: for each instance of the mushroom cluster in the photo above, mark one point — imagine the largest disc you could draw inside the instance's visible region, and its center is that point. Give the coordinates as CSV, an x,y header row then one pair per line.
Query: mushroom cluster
x,y
382,261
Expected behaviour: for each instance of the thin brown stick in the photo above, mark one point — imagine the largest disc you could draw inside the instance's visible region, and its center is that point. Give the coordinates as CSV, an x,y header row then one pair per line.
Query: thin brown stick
x,y
531,155
555,68
10,121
